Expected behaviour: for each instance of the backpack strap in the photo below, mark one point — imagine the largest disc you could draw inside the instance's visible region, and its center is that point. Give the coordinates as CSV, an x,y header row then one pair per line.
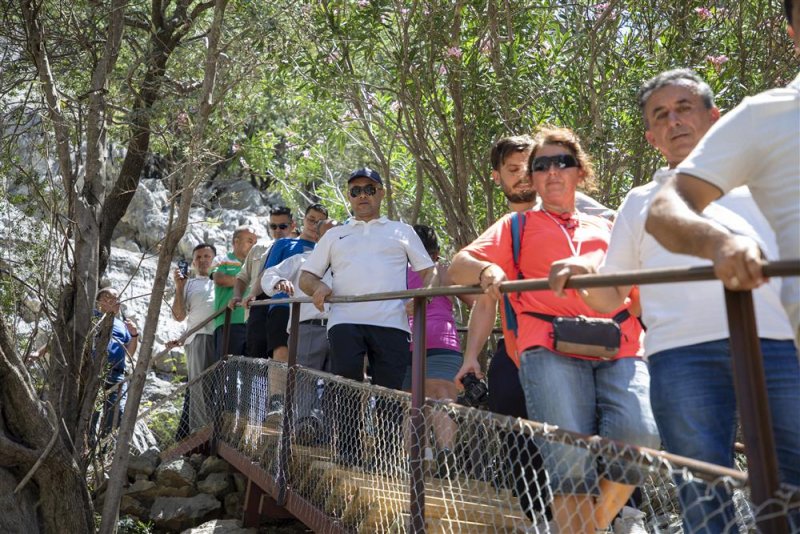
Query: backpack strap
x,y
517,230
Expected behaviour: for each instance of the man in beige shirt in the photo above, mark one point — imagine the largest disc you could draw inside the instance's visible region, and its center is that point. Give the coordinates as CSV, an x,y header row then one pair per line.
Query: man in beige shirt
x,y
248,282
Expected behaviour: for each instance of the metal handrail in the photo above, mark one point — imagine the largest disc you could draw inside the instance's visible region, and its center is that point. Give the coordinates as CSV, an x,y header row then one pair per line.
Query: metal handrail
x,y
745,352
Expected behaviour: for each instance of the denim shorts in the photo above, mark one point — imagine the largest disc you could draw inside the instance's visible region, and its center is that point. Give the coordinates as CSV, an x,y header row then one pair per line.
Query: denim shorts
x,y
606,398
441,364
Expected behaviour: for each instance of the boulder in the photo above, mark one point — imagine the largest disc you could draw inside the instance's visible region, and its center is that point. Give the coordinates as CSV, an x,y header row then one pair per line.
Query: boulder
x,y
234,503
240,481
156,388
197,460
176,473
130,506
220,526
216,484
180,513
147,491
214,464
143,464
240,195
143,438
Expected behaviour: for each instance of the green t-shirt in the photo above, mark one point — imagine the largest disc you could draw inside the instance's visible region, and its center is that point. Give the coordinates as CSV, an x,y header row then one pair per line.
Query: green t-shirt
x,y
230,265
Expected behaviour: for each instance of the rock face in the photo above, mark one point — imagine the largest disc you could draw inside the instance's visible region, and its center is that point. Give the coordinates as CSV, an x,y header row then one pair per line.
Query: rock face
x,y
179,513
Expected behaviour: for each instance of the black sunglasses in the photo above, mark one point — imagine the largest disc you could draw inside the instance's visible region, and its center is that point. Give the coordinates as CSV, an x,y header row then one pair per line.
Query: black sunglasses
x,y
282,226
368,190
562,161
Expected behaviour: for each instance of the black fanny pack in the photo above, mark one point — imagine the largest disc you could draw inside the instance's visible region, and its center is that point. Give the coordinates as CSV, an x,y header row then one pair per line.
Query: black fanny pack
x,y
587,336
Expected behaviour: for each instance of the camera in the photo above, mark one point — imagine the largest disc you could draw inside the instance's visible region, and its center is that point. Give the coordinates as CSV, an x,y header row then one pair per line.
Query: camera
x,y
476,392
183,268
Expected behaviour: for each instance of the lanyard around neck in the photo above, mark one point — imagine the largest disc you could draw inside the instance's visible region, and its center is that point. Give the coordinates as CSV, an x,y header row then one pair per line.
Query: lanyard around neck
x,y
575,251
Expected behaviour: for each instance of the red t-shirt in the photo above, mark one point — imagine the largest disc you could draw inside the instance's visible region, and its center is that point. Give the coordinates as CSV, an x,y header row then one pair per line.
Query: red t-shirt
x,y
544,241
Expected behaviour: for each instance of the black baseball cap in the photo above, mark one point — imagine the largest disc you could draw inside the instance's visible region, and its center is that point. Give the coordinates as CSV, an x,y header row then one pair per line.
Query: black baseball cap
x,y
366,172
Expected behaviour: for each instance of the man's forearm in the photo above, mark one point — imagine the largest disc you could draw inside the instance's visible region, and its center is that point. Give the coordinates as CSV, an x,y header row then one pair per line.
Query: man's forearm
x,y
466,269
179,306
239,287
677,226
309,282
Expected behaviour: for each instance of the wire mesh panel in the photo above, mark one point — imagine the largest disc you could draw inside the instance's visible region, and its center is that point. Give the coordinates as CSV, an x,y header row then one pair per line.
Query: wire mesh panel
x,y
251,408
350,457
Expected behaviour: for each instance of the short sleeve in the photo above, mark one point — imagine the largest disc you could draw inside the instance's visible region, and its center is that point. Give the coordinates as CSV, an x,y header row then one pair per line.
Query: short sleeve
x,y
623,247
495,245
320,258
418,257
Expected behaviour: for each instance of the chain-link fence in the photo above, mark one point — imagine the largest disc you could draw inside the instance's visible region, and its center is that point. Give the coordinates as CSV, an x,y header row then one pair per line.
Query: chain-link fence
x,y
347,453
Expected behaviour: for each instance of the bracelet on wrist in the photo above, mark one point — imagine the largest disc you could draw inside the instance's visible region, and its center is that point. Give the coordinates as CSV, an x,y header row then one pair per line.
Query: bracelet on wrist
x,y
480,274
135,335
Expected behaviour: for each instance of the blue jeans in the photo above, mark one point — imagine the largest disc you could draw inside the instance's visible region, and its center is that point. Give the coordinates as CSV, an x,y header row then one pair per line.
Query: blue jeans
x,y
694,403
607,398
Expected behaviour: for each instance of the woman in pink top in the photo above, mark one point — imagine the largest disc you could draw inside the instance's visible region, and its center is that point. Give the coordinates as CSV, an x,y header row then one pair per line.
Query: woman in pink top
x,y
443,350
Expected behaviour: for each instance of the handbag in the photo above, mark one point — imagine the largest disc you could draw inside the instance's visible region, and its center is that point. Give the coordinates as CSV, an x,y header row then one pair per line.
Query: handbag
x,y
586,336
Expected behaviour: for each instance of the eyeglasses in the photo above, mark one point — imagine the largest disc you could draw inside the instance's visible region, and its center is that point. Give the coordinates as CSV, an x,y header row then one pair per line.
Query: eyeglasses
x,y
368,190
282,226
561,161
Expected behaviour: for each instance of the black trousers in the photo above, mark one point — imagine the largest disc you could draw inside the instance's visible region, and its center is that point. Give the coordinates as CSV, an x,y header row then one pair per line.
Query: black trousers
x,y
389,353
522,457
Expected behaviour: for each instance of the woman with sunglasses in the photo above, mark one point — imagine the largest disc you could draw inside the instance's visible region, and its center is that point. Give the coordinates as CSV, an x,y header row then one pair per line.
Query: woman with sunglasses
x,y
578,386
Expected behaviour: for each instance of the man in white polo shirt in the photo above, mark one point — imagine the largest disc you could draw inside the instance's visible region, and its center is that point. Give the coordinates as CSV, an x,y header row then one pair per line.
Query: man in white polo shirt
x,y
369,254
758,145
687,346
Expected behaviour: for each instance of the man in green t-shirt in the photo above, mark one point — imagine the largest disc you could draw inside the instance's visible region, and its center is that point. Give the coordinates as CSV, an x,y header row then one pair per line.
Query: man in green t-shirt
x,y
224,276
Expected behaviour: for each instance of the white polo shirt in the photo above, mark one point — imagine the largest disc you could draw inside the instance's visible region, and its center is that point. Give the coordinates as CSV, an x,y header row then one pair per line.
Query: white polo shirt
x,y
687,313
198,295
758,145
368,258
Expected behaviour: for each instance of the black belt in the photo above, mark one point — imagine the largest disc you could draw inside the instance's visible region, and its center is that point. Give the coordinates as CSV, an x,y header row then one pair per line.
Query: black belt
x,y
315,322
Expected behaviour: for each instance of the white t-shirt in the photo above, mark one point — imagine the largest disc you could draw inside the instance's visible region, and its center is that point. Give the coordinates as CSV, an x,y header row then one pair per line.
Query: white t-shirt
x,y
758,145
199,298
368,258
289,269
687,313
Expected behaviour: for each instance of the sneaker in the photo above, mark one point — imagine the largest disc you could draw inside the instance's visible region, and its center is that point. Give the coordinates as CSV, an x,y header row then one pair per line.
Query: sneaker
x,y
630,521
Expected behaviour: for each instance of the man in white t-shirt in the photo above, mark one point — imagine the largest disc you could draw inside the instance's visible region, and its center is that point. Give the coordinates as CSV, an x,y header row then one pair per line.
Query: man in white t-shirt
x,y
369,254
758,145
194,301
692,391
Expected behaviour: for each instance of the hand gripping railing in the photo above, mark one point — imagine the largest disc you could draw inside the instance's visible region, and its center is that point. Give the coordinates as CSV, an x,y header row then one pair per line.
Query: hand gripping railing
x,y
745,351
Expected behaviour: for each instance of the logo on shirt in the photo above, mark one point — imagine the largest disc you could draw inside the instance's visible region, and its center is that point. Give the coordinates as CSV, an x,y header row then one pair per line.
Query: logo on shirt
x,y
343,236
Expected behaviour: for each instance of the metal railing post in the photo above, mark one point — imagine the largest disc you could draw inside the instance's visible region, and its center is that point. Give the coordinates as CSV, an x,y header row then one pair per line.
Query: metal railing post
x,y
288,407
226,333
416,454
753,404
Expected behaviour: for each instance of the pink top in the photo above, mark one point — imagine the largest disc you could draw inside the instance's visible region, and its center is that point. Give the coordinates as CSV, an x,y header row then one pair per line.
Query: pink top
x,y
440,326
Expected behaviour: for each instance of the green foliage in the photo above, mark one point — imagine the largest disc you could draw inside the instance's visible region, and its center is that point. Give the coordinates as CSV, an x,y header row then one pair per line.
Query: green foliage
x,y
432,84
